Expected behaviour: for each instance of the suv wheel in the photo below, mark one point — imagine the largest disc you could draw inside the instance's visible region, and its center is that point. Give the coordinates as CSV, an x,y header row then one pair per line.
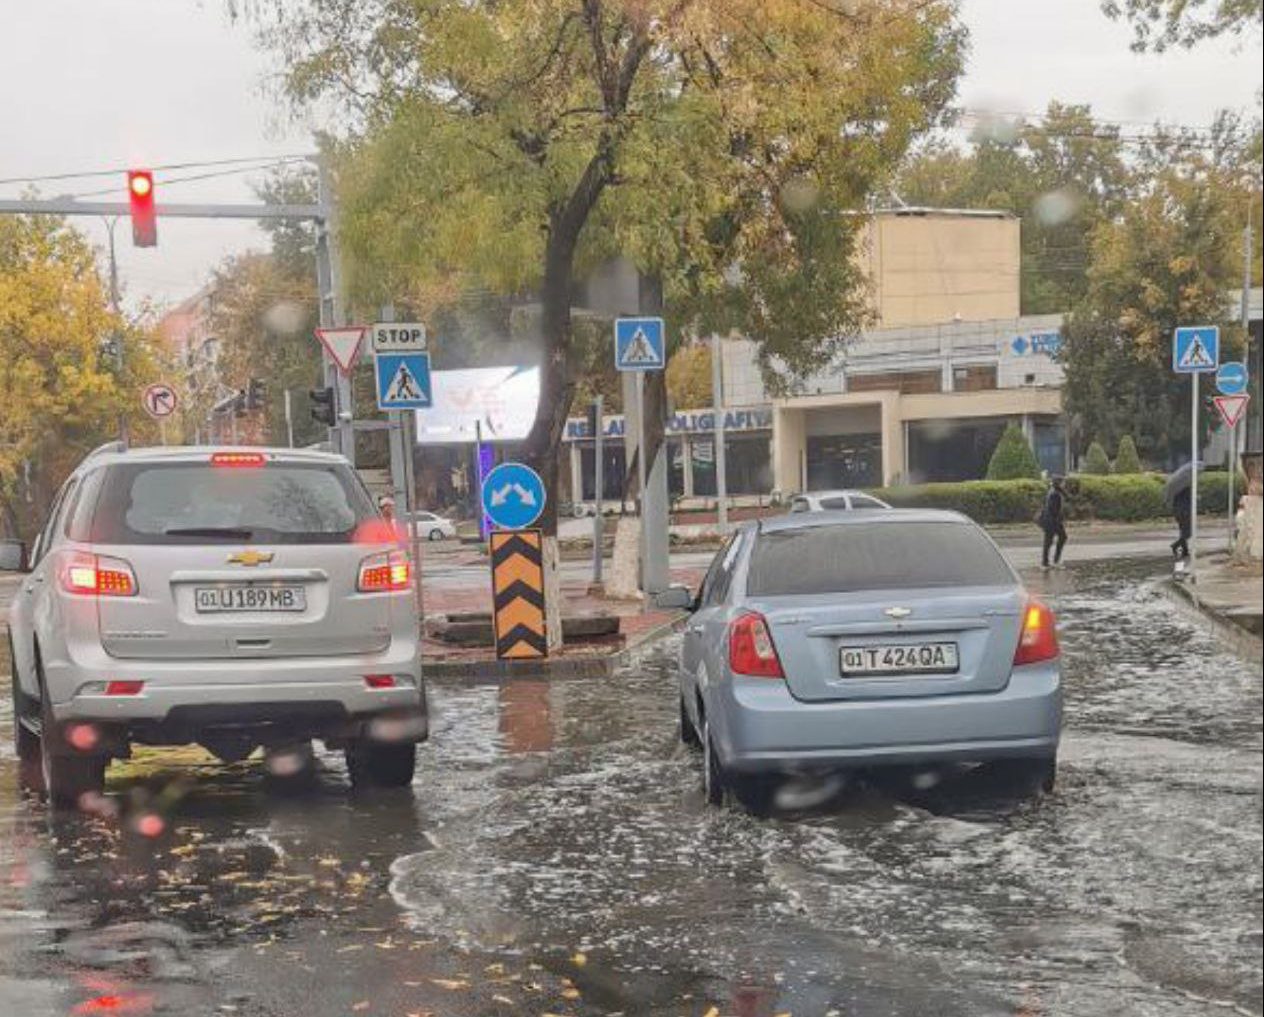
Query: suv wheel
x,y
375,764
67,775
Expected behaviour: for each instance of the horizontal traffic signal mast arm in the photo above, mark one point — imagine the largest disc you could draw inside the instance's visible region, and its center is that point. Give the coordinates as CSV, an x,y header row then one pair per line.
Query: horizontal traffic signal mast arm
x,y
68,206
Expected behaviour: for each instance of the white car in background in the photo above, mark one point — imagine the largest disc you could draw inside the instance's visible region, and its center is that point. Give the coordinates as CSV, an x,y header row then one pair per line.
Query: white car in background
x,y
430,526
826,501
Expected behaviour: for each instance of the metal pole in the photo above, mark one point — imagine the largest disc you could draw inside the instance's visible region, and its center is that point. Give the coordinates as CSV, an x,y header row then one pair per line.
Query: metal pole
x,y
1193,490
721,466
118,335
408,439
329,277
640,445
1246,359
599,480
289,420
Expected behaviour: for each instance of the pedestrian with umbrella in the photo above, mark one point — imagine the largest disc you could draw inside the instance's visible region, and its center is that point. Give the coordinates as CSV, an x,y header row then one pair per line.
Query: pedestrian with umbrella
x,y
1177,495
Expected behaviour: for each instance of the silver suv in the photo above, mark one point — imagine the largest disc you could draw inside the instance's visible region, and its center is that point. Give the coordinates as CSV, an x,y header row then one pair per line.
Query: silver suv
x,y
234,598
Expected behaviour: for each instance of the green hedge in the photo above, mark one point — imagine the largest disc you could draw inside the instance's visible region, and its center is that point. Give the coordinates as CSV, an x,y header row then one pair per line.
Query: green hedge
x,y
1130,498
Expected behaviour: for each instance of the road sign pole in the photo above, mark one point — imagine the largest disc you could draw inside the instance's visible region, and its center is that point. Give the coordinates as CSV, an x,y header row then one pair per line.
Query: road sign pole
x,y
1193,489
1233,468
289,420
599,480
640,444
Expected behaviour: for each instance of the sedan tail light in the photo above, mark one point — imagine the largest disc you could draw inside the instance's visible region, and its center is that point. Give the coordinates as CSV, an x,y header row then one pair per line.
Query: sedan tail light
x,y
1038,640
98,575
385,572
751,649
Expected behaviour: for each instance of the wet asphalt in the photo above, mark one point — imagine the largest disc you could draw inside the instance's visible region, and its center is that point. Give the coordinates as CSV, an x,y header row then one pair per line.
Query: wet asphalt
x,y
555,857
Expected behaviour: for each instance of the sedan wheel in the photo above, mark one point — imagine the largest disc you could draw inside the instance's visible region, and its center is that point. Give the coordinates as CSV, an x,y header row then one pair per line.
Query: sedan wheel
x,y
688,733
436,534
713,777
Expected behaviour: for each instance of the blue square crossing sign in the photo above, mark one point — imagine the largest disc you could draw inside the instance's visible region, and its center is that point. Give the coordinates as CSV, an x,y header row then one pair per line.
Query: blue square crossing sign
x,y
1196,350
403,380
639,344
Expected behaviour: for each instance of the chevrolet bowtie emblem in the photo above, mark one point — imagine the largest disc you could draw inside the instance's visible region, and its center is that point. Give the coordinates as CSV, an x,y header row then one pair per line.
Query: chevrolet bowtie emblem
x,y
250,558
897,612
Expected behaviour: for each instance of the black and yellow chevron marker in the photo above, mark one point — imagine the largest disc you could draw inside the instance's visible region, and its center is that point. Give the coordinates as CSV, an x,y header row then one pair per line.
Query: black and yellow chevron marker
x,y
518,594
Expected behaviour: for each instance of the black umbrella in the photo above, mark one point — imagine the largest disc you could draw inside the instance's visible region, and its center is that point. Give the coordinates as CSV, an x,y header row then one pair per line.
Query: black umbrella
x,y
1180,478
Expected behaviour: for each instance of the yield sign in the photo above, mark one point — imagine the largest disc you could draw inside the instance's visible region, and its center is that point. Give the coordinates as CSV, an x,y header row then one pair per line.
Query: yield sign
x,y
1231,408
343,344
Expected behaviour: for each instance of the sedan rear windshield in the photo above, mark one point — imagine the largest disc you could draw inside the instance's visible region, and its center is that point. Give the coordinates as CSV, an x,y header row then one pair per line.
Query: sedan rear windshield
x,y
874,556
191,503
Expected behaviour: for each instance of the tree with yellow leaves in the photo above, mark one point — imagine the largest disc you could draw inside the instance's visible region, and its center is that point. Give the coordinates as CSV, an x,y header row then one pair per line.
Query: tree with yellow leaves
x,y
59,396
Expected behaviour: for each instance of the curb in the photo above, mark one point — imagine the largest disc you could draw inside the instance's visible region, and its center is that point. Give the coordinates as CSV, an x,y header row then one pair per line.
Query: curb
x,y
596,666
1237,638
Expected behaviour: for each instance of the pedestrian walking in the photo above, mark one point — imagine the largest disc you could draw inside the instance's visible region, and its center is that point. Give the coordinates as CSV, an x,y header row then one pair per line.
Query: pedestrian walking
x,y
1181,512
1052,520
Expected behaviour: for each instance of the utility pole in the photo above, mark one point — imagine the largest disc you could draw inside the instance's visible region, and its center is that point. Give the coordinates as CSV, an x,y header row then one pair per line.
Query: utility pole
x,y
110,223
289,420
721,466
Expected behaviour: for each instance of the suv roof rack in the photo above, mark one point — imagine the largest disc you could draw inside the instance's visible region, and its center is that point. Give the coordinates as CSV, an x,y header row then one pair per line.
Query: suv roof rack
x,y
106,449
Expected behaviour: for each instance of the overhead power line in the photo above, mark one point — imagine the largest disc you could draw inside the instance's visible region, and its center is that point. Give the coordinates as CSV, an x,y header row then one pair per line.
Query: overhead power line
x,y
202,164
168,181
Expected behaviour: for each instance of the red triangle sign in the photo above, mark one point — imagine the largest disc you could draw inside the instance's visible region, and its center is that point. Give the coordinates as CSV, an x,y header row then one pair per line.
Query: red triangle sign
x,y
1231,407
343,344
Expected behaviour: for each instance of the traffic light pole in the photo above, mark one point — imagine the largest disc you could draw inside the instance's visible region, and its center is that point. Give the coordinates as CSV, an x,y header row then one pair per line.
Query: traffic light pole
x,y
329,281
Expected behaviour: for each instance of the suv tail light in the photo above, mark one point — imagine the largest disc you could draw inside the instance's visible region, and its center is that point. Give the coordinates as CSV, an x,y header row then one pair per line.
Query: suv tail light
x,y
385,572
1038,640
98,575
751,650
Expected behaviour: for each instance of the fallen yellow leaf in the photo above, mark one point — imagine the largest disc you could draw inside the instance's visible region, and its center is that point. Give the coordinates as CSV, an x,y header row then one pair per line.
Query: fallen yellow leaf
x,y
451,983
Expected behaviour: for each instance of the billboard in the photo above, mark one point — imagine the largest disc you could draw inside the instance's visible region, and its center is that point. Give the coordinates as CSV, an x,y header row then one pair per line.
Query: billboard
x,y
502,400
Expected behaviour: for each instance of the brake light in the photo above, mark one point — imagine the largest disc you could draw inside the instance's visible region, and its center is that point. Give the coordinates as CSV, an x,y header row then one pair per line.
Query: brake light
x,y
386,572
1038,640
751,650
95,574
240,459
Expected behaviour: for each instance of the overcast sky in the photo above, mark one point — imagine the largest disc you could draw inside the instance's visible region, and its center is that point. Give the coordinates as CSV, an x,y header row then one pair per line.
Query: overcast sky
x,y
99,84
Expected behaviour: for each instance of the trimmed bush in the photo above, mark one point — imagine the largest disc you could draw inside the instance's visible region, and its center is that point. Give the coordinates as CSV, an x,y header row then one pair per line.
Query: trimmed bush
x,y
1096,461
1127,462
1013,458
1133,498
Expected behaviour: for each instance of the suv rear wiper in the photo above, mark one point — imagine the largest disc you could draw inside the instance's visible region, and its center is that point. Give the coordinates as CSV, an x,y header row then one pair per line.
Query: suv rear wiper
x,y
228,532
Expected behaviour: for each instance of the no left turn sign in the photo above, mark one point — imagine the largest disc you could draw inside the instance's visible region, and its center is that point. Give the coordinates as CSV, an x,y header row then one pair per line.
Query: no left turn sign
x,y
160,401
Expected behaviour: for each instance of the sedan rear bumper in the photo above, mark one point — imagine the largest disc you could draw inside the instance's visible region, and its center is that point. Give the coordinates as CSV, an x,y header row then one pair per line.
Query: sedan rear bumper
x,y
759,726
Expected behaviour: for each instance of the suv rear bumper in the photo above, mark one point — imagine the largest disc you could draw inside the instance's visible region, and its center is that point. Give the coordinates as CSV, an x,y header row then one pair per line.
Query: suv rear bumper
x,y
320,692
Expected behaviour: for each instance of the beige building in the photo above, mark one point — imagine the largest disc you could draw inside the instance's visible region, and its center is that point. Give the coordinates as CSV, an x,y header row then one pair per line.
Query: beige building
x,y
928,266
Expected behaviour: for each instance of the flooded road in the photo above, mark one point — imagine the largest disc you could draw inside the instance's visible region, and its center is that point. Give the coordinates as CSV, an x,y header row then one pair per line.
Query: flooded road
x,y
555,857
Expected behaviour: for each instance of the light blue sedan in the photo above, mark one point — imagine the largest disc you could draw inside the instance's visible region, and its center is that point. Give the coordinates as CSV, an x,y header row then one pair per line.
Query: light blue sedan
x,y
831,640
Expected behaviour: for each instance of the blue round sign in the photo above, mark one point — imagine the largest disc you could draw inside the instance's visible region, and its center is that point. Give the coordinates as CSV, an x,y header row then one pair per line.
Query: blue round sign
x,y
513,496
1231,378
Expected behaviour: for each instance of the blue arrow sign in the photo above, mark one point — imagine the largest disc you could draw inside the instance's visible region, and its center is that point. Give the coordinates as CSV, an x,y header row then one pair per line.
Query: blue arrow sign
x,y
403,381
639,344
1231,378
513,496
1196,350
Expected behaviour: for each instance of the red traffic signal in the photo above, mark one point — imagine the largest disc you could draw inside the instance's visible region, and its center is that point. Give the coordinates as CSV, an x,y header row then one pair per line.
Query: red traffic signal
x,y
140,198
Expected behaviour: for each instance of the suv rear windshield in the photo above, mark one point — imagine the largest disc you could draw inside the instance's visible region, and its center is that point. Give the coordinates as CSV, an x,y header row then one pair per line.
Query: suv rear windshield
x,y
189,503
874,556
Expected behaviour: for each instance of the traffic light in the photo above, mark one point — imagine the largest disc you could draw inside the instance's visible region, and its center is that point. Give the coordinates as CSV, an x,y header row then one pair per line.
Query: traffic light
x,y
255,392
140,198
594,420
322,405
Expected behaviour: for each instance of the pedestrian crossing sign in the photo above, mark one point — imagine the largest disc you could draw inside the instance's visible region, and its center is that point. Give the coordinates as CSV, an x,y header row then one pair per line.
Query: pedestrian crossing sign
x,y
639,344
1196,350
403,381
